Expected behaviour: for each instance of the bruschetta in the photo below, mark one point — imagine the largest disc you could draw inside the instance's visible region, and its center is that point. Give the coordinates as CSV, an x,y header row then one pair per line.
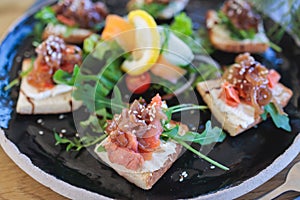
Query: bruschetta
x,y
133,147
237,100
38,92
236,28
160,9
75,20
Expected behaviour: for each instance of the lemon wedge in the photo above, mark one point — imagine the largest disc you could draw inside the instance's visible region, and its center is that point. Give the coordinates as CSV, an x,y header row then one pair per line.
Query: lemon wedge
x,y
147,43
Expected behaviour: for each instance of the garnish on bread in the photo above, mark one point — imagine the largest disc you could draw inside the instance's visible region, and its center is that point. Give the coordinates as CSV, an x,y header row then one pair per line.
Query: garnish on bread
x,y
161,9
72,20
236,28
143,142
239,99
39,94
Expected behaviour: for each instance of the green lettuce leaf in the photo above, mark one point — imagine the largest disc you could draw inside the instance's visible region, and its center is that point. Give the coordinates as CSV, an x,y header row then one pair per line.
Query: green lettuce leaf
x,y
182,24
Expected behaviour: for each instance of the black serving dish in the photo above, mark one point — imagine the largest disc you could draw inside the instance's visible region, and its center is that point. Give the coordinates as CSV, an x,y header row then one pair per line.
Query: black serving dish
x,y
249,155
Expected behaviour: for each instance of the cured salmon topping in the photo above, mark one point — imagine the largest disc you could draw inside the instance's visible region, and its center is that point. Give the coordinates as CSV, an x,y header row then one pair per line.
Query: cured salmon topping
x,y
53,54
230,95
273,78
136,130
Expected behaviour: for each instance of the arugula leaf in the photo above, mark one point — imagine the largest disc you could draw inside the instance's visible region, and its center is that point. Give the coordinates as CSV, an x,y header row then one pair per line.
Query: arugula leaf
x,y
207,72
96,122
100,149
281,121
192,137
182,24
16,81
236,33
46,15
78,143
65,78
208,136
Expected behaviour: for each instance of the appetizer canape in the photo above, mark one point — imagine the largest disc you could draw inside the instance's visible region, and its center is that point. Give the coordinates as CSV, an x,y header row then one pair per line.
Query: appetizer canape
x,y
72,20
143,142
236,28
39,94
245,94
161,9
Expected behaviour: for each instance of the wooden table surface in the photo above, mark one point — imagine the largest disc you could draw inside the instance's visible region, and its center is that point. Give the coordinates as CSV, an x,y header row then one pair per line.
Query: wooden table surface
x,y
16,184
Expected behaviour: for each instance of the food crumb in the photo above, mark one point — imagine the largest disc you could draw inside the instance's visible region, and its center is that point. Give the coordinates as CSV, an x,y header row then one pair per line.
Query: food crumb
x,y
61,116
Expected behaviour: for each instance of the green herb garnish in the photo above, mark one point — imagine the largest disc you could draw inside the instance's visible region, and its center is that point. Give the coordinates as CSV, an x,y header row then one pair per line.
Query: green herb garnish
x,y
280,120
209,135
78,143
65,78
16,81
236,33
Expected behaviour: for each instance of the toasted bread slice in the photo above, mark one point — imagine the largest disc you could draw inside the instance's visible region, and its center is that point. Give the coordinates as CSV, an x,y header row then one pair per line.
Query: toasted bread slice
x,y
236,119
57,100
220,37
74,35
171,9
152,170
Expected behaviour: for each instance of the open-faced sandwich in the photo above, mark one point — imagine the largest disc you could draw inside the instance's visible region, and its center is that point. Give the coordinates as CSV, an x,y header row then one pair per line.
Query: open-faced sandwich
x,y
160,9
39,94
72,20
133,147
246,93
236,28
143,142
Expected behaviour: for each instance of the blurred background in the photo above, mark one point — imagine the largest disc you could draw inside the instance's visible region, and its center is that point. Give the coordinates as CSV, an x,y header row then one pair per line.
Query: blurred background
x,y
10,10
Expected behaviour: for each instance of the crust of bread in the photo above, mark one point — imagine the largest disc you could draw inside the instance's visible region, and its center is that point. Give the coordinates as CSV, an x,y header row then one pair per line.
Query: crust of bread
x,y
281,94
76,35
145,180
220,38
60,103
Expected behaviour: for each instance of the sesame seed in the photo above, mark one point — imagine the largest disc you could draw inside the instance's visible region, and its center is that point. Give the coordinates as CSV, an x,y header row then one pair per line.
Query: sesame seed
x,y
63,130
41,132
39,121
212,167
61,116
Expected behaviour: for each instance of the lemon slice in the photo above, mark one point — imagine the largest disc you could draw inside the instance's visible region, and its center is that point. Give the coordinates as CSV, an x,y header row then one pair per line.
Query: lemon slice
x,y
147,43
